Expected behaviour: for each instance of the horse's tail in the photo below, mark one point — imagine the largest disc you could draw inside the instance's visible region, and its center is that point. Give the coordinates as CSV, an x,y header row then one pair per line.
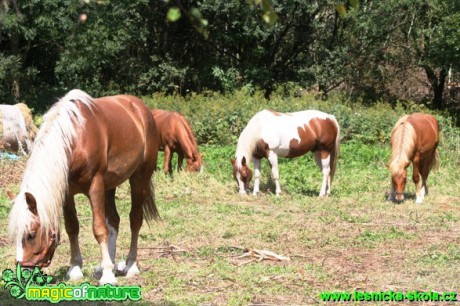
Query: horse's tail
x,y
335,153
149,207
434,164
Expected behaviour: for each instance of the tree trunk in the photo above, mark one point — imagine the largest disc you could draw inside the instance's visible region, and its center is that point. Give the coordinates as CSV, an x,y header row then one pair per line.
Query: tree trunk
x,y
437,83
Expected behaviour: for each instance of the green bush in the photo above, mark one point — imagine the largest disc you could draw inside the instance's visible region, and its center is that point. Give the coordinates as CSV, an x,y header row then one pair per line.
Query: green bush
x,y
219,119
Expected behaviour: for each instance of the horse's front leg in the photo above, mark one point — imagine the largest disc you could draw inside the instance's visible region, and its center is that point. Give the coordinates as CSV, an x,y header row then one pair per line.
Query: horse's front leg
x,y
100,230
180,160
257,162
273,159
72,228
167,160
113,221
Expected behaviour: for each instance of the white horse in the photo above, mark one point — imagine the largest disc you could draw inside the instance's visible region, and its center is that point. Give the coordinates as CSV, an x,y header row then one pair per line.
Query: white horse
x,y
17,130
271,134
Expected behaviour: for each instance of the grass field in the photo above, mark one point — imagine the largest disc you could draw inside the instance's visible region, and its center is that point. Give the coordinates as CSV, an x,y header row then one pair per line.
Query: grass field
x,y
353,240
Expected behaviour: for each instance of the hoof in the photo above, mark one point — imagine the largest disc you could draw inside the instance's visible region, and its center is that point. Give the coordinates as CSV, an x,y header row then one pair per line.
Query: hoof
x,y
127,270
107,278
74,273
98,273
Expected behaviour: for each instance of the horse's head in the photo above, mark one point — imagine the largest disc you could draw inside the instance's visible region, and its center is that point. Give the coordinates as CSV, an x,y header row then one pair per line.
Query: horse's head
x,y
398,181
242,175
36,246
195,164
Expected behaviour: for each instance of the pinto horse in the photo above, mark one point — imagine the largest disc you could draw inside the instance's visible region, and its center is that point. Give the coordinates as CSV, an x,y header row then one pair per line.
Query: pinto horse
x,y
414,139
177,136
270,134
17,128
88,146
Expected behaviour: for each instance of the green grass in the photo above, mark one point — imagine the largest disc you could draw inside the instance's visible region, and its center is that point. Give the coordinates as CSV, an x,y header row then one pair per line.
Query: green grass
x,y
352,239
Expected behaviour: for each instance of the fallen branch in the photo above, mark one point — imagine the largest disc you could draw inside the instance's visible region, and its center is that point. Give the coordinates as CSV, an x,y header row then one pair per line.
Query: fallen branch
x,y
165,249
260,255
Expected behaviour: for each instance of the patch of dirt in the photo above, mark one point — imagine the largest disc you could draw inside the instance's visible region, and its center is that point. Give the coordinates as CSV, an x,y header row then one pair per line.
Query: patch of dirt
x,y
11,173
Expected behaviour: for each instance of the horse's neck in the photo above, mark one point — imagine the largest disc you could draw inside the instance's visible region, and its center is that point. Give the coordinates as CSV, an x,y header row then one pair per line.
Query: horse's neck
x,y
244,150
187,145
187,140
402,148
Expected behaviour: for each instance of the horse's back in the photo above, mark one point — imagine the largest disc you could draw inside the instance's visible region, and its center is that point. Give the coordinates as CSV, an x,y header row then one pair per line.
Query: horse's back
x,y
170,126
294,134
427,129
118,138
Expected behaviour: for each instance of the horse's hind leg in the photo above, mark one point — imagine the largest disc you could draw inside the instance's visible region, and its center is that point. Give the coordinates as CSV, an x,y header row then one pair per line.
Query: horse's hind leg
x,y
424,171
417,165
139,192
322,159
72,228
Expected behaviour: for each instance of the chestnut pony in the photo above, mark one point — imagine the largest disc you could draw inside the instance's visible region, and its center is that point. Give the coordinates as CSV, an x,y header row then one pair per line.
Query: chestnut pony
x,y
87,146
414,138
177,136
270,134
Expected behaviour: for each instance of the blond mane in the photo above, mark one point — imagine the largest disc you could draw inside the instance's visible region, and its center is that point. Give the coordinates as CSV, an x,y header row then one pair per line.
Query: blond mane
x,y
402,145
46,173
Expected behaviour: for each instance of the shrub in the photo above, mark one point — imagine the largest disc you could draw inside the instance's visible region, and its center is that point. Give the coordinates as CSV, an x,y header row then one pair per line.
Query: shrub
x,y
219,119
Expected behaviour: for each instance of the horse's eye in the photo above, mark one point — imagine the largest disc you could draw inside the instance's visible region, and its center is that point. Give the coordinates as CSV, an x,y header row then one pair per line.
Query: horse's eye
x,y
31,236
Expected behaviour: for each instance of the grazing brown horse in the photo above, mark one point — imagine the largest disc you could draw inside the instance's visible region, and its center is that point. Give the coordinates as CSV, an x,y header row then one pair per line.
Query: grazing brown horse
x,y
17,128
87,146
177,136
414,139
270,134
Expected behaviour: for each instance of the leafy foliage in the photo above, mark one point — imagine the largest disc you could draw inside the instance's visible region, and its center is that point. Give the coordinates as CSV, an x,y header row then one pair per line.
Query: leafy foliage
x,y
219,119
104,47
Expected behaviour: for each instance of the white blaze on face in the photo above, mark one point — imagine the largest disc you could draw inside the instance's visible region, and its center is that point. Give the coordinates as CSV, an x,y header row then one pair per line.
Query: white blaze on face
x,y
240,182
19,251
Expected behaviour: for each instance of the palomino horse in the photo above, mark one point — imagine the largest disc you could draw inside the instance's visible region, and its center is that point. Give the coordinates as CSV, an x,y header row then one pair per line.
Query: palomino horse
x,y
177,136
17,128
414,139
87,146
271,134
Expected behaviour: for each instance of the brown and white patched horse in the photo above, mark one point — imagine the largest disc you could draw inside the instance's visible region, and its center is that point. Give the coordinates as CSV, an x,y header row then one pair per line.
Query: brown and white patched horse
x,y
87,146
414,138
176,136
270,134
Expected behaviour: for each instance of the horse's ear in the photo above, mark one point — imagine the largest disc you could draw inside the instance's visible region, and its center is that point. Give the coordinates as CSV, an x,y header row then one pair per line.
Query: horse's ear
x,y
10,195
232,161
243,161
31,203
387,165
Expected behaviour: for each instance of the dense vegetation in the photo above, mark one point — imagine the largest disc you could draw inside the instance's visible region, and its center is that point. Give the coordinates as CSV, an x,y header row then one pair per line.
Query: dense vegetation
x,y
397,49
352,240
219,119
